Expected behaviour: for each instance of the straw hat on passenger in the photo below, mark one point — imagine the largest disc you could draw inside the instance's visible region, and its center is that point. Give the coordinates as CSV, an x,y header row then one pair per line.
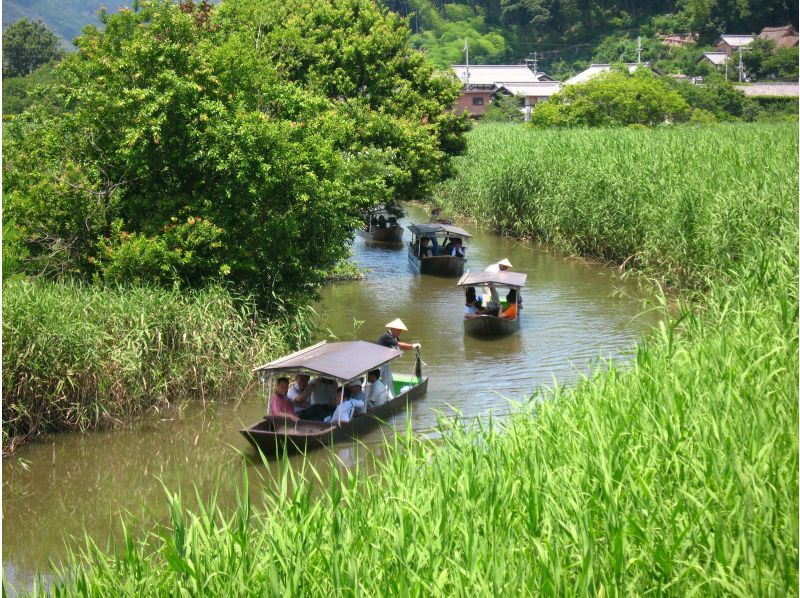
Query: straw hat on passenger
x,y
354,382
505,262
396,324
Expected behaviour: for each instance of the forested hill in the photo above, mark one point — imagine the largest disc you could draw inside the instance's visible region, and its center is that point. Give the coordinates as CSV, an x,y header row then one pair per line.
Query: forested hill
x,y
505,30
65,17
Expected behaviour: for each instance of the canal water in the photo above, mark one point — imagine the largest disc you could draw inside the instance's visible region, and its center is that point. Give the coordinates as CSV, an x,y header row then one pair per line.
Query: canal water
x,y
575,315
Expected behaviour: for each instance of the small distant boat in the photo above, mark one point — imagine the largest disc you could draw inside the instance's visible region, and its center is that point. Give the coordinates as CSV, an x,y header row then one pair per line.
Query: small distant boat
x,y
380,226
487,324
440,237
341,361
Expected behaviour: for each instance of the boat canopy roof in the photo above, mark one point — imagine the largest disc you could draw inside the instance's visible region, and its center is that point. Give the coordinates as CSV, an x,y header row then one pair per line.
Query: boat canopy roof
x,y
340,361
514,280
433,228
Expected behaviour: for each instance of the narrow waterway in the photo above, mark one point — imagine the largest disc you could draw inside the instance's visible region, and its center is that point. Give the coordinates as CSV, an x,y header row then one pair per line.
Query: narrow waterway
x,y
575,315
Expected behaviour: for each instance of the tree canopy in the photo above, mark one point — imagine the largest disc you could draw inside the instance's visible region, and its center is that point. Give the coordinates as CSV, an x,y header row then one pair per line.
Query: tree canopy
x,y
240,142
26,46
613,99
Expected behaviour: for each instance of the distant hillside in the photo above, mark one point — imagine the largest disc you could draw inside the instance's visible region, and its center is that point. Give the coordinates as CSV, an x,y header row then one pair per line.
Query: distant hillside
x,y
66,17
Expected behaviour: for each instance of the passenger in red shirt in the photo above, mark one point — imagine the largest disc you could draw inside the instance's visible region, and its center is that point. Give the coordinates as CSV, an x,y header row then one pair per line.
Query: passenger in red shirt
x,y
279,403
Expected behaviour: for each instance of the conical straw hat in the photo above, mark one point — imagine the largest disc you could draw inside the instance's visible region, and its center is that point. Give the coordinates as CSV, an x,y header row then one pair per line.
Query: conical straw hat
x,y
397,323
505,262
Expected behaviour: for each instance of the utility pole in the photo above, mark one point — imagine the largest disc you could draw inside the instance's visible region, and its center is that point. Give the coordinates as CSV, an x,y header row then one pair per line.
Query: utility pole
x,y
639,50
534,61
741,68
726,67
466,51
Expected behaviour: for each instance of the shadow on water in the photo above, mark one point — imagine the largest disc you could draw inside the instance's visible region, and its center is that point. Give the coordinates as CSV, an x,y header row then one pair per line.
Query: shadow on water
x,y
572,319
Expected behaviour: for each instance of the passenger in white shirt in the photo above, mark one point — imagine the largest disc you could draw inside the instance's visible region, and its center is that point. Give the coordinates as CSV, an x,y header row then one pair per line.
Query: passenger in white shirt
x,y
300,392
353,405
377,393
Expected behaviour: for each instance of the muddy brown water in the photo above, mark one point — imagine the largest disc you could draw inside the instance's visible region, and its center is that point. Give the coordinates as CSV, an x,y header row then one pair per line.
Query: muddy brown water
x,y
575,315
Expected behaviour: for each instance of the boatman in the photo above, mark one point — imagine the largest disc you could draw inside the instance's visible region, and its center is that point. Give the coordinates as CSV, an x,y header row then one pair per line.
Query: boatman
x,y
489,290
391,339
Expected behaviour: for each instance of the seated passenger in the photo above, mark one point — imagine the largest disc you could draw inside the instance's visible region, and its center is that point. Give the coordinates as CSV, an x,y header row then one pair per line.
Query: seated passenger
x,y
381,221
392,221
510,311
456,250
472,308
279,404
350,405
300,392
323,398
377,394
425,249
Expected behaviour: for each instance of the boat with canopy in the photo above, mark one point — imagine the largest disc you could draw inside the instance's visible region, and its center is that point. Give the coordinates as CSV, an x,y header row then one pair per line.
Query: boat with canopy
x,y
341,362
381,226
431,248
489,323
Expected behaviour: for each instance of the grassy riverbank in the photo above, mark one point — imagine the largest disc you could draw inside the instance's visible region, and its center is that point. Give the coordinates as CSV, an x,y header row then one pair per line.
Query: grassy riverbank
x,y
676,475
81,356
684,204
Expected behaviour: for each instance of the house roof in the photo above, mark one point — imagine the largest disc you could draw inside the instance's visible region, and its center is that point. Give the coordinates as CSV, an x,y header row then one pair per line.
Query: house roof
x,y
596,69
487,74
784,37
788,90
736,41
717,58
539,89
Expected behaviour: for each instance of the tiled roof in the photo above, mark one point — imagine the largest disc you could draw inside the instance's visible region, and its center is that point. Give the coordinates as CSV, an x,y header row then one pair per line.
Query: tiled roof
x,y
717,58
789,90
540,89
735,41
486,74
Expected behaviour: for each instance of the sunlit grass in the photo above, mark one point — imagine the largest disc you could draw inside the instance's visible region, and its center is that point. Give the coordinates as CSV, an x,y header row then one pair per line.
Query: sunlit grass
x,y
78,356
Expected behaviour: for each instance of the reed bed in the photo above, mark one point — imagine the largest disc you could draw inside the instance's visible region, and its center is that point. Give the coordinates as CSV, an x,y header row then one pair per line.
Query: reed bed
x,y
80,356
676,476
683,204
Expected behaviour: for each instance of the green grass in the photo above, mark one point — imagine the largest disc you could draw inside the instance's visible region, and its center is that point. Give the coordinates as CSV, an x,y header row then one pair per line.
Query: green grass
x,y
684,204
80,356
675,475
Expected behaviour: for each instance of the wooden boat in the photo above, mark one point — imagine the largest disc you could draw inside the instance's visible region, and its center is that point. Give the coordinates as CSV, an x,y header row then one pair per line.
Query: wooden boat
x,y
440,236
486,325
386,231
339,361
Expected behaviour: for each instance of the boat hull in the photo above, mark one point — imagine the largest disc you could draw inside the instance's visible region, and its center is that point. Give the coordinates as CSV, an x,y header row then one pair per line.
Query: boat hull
x,y
392,235
489,326
438,265
272,435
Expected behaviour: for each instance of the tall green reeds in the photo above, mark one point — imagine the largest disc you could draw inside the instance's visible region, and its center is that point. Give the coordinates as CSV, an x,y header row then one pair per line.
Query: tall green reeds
x,y
78,356
684,204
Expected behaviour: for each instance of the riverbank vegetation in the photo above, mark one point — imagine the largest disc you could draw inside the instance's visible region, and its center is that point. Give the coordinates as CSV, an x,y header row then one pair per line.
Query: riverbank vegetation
x,y
686,205
82,356
677,475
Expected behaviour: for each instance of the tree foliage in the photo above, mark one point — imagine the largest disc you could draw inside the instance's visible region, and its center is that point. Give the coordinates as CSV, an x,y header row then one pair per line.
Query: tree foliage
x,y
239,142
764,62
27,45
613,99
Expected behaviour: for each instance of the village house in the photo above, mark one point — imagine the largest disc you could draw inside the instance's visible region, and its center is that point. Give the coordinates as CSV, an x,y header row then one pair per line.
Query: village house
x,y
784,37
483,82
596,69
731,43
717,59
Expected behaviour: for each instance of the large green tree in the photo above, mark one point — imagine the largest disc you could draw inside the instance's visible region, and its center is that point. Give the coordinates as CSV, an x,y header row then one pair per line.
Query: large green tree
x,y
27,45
240,142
